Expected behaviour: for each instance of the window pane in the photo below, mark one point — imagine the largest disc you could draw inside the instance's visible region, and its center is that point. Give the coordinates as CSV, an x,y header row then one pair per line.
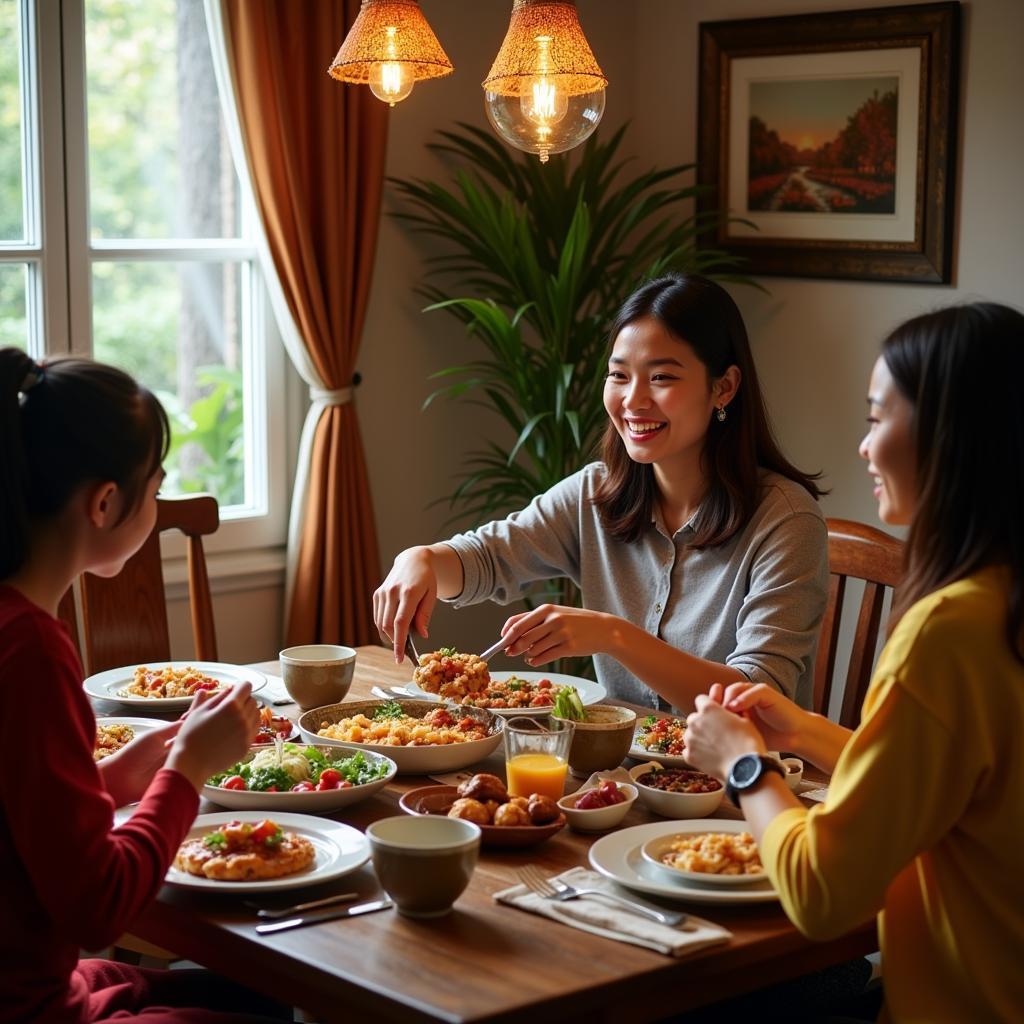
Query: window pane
x,y
176,327
13,311
159,164
12,225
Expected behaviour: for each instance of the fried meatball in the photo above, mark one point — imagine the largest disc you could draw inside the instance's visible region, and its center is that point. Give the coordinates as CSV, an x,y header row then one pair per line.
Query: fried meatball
x,y
470,810
484,787
542,809
511,814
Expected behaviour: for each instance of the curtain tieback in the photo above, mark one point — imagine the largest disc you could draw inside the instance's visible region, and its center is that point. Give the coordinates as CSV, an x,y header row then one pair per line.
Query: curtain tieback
x,y
338,396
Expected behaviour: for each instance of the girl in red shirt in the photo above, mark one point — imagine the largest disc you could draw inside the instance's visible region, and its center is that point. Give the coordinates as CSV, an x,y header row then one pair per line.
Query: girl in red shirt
x,y
80,466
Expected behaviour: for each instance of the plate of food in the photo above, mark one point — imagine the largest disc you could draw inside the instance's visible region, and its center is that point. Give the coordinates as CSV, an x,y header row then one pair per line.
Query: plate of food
x,y
707,858
619,856
420,736
504,820
245,851
167,686
114,733
300,777
465,680
659,738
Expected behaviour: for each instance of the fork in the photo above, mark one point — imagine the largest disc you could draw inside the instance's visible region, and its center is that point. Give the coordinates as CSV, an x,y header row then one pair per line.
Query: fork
x,y
556,889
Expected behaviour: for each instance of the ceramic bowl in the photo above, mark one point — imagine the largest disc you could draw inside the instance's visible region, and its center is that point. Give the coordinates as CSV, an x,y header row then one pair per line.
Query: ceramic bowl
x,y
315,802
674,805
438,800
411,760
424,863
317,674
602,740
597,819
654,849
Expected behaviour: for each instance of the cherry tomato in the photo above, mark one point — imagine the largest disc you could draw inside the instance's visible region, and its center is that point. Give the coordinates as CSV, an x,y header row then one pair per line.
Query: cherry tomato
x,y
326,784
264,829
544,684
303,787
270,789
331,776
234,782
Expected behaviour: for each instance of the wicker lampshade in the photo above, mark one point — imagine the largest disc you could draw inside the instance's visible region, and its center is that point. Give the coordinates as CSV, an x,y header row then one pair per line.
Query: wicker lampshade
x,y
390,31
568,55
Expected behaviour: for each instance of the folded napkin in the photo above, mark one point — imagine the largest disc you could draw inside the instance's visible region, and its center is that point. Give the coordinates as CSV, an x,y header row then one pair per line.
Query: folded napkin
x,y
614,921
274,692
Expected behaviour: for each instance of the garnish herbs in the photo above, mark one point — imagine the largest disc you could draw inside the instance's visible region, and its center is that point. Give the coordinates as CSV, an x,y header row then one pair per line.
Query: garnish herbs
x,y
389,709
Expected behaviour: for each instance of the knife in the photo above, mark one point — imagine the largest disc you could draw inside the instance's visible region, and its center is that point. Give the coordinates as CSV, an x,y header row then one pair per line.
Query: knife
x,y
333,915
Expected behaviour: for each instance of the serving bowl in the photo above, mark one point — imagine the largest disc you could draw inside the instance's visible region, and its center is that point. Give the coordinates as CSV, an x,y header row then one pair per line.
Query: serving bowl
x,y
411,760
602,740
317,800
597,819
438,800
674,805
654,849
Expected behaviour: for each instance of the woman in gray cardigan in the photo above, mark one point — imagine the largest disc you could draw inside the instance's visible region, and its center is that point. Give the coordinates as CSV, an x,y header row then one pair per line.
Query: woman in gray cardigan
x,y
699,550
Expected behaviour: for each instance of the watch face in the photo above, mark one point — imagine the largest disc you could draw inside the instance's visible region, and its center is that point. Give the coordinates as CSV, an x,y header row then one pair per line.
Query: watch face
x,y
745,769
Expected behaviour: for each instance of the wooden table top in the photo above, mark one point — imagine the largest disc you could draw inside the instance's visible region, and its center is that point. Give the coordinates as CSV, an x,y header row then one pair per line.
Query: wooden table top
x,y
484,961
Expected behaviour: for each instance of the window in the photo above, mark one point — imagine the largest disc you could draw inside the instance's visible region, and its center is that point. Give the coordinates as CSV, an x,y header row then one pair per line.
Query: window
x,y
125,234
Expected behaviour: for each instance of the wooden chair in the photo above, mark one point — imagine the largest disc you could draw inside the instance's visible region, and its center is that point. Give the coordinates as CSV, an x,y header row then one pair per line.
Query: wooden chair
x,y
863,552
125,618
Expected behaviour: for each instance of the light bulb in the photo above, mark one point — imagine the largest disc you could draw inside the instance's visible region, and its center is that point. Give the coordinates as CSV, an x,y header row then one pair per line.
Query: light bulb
x,y
543,117
391,80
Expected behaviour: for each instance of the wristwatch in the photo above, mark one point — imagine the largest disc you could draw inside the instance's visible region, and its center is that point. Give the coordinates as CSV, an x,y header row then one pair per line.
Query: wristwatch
x,y
747,771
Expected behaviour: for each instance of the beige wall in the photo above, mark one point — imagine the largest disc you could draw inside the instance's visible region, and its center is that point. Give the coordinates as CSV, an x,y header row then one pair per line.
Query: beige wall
x,y
814,341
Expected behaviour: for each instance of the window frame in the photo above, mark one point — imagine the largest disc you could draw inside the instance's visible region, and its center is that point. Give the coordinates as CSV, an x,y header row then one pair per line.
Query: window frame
x,y
60,255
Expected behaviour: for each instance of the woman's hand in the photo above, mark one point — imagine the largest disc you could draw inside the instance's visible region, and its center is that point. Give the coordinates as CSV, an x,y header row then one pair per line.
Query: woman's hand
x,y
217,731
714,738
780,721
128,772
554,631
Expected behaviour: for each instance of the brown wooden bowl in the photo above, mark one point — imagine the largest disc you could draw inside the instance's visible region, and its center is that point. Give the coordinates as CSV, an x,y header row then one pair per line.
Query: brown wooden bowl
x,y
439,800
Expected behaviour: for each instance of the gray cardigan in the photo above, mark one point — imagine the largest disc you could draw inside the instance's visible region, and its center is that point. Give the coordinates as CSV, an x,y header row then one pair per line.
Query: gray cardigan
x,y
754,603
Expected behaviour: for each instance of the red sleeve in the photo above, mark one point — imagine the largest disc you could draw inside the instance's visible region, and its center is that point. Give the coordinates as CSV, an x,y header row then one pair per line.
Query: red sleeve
x,y
92,879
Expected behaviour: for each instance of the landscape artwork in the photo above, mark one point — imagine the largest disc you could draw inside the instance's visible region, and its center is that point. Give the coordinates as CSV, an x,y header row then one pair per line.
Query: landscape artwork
x,y
823,145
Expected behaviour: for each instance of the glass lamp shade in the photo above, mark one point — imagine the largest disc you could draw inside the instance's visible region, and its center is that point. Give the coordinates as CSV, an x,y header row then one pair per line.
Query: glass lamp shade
x,y
545,91
390,47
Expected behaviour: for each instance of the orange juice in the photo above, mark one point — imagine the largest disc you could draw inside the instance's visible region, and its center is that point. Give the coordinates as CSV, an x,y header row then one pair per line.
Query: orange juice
x,y
536,773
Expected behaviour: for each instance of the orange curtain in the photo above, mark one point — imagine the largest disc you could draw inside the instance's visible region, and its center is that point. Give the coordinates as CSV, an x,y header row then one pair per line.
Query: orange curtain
x,y
316,152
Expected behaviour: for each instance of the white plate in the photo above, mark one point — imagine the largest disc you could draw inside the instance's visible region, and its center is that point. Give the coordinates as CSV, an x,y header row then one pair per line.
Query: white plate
x,y
339,850
319,801
618,857
589,691
108,685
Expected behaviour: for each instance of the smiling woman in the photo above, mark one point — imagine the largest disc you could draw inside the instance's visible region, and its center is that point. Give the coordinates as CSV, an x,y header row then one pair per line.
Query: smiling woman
x,y
699,550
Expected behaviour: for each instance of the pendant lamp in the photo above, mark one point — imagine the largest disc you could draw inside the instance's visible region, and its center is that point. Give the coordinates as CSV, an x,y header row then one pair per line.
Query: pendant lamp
x,y
390,47
545,92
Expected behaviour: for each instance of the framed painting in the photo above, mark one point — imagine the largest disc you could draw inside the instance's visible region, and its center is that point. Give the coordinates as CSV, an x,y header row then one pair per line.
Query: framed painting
x,y
831,140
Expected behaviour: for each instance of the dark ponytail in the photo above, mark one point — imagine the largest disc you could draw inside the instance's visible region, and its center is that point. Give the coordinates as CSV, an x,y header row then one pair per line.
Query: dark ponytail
x,y
64,424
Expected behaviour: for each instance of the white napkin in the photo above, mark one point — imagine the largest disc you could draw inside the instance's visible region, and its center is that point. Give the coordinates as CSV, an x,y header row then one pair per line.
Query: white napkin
x,y
603,917
274,692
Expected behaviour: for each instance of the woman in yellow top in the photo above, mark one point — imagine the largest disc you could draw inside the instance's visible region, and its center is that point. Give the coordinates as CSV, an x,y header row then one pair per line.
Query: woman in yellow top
x,y
924,821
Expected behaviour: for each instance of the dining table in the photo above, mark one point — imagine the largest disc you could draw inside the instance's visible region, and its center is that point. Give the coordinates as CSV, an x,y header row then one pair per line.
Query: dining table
x,y
485,961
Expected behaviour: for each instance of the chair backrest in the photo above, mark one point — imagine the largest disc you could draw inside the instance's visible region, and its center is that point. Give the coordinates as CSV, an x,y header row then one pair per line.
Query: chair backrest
x,y
863,552
124,618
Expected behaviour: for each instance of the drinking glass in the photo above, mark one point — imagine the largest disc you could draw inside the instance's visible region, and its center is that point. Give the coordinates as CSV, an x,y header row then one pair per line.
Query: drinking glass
x,y
536,755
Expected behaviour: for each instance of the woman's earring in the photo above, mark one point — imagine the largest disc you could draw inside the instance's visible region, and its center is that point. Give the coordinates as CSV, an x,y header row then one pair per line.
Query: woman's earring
x,y
721,414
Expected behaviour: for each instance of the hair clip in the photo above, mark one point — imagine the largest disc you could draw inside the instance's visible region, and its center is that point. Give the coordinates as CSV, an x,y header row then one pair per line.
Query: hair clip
x,y
34,376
